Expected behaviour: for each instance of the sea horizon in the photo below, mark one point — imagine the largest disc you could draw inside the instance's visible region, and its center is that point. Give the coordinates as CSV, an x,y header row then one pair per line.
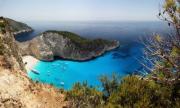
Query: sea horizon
x,y
118,30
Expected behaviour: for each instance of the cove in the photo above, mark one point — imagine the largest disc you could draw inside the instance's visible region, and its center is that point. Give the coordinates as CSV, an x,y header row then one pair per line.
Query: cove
x,y
122,61
64,73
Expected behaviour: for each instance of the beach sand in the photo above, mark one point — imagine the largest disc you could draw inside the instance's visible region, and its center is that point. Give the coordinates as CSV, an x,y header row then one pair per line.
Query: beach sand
x,y
29,62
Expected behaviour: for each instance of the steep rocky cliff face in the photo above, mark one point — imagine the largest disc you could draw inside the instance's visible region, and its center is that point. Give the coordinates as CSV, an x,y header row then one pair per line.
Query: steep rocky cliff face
x,y
16,90
8,47
65,45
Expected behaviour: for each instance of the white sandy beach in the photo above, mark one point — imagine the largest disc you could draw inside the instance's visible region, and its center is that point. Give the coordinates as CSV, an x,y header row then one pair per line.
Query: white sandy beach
x,y
29,62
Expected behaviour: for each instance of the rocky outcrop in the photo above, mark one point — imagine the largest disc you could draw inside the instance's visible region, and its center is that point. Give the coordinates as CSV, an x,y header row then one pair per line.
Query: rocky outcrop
x,y
65,45
18,27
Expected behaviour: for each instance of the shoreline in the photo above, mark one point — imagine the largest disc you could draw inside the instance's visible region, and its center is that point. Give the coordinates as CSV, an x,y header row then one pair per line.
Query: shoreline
x,y
30,62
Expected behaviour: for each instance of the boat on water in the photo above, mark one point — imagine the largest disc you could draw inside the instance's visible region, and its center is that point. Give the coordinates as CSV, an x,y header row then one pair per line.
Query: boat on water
x,y
62,83
35,71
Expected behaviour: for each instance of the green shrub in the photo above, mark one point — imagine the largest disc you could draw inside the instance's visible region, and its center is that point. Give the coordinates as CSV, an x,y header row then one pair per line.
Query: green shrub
x,y
84,96
133,92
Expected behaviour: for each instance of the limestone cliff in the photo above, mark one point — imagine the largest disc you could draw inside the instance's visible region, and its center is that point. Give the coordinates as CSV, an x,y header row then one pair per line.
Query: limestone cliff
x,y
65,45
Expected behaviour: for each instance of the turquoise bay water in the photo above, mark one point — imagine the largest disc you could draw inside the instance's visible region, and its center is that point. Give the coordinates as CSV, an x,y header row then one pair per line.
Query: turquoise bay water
x,y
120,61
123,61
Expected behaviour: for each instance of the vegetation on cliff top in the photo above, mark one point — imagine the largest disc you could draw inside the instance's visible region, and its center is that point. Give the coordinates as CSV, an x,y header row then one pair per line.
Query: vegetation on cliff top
x,y
16,26
2,25
83,43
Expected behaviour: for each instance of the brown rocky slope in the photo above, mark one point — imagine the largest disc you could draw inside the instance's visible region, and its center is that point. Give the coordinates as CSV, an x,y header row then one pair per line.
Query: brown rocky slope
x,y
16,90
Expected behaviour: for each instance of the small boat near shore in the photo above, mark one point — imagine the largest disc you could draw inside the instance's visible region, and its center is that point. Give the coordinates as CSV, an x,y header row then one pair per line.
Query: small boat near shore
x,y
35,71
62,83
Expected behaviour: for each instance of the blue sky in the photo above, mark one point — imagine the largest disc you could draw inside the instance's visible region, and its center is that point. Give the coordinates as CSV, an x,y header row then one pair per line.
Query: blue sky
x,y
81,10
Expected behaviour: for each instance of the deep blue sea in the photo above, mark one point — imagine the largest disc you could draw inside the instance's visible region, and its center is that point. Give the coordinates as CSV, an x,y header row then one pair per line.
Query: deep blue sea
x,y
122,61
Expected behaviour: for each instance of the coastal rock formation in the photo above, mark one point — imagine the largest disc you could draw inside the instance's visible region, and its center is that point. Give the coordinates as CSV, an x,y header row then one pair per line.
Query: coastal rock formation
x,y
16,90
18,27
65,45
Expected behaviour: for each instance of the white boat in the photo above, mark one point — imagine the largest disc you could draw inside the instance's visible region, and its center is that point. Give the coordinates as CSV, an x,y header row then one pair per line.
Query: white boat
x,y
62,83
35,71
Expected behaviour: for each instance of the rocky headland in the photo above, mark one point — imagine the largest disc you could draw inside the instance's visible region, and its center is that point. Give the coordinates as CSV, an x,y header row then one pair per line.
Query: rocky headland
x,y
18,27
65,45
